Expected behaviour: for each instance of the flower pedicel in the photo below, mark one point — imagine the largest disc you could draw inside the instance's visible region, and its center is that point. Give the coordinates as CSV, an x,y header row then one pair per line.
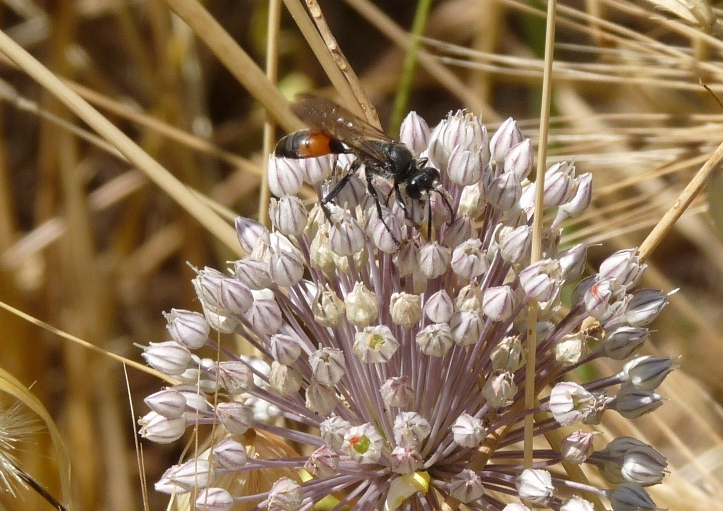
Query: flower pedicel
x,y
392,360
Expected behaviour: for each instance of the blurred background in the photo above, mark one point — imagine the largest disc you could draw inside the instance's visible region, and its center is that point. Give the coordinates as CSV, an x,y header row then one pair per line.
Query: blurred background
x,y
90,245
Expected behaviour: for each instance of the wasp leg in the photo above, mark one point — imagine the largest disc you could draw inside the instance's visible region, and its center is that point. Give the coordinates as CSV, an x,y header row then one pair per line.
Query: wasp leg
x,y
400,201
337,189
375,195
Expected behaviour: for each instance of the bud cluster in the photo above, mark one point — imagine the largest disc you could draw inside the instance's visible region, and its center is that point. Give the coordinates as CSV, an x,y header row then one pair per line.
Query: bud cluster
x,y
392,350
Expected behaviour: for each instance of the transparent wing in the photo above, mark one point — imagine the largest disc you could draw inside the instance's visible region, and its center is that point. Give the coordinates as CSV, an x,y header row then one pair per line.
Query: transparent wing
x,y
335,120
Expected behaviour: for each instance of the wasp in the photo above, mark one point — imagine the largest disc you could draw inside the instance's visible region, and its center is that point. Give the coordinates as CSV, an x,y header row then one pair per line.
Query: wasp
x,y
335,130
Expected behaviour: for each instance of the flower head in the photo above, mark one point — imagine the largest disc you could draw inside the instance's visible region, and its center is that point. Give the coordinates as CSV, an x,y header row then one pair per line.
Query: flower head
x,y
393,344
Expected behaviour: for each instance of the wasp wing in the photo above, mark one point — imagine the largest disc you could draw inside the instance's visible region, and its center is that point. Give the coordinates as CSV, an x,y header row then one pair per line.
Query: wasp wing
x,y
338,122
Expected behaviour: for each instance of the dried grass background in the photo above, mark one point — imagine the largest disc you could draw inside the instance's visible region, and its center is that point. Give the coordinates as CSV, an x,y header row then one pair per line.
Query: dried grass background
x,y
92,245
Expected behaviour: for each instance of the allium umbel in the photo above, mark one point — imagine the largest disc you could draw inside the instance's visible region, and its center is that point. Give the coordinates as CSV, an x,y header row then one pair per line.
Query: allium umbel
x,y
395,365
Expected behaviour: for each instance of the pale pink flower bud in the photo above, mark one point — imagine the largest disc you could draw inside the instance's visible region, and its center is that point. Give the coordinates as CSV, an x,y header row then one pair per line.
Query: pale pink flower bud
x,y
230,454
643,465
439,307
328,366
572,262
570,403
286,380
320,398
576,503
466,486
459,231
468,431
386,234
647,372
288,215
249,233
161,430
375,344
597,298
196,399
405,309
558,184
328,309
508,355
464,167
433,260
316,170
630,497
284,176
361,306
220,293
515,244
466,327
234,376
214,499
286,267
644,306
499,302
414,133
286,495
187,328
410,429
632,403
168,357
264,315
540,280
577,447
623,267
354,193
346,237
504,191
333,430
236,417
519,159
407,258
468,260
167,402
458,129
363,443
623,342
580,201
194,474
499,389
322,463
253,272
506,136
435,340
396,391
534,485
284,348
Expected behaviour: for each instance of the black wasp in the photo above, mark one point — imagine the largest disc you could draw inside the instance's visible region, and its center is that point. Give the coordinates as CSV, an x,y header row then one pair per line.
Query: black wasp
x,y
335,130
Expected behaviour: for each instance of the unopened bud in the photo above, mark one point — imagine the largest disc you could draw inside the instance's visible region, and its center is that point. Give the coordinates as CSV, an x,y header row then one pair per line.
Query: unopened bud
x,y
284,176
288,215
187,328
414,133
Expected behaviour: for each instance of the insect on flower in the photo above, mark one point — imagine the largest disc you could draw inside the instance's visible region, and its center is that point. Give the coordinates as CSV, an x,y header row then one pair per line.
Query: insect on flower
x,y
335,130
